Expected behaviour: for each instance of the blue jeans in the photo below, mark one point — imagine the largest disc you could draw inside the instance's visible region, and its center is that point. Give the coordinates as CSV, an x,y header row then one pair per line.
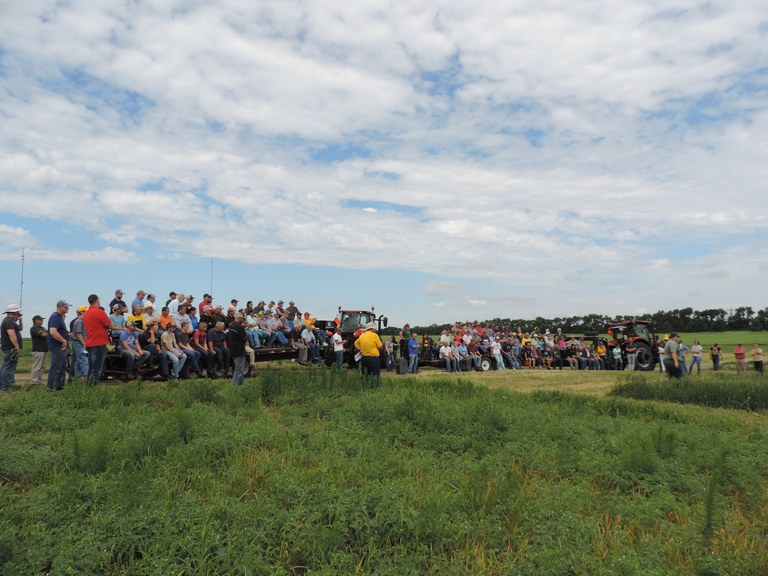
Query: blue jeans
x,y
697,361
178,363
8,371
238,375
194,357
96,357
79,359
413,364
254,337
57,373
339,359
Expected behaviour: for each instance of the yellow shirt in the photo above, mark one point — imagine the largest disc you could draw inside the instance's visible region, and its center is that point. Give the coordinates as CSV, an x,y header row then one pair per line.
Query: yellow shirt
x,y
368,343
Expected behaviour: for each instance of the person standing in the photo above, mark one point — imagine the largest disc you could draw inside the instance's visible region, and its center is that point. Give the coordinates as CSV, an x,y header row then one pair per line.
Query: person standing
x,y
10,343
715,353
118,299
631,350
671,361
338,347
696,357
740,355
79,353
97,325
757,358
39,348
236,339
370,347
58,344
413,353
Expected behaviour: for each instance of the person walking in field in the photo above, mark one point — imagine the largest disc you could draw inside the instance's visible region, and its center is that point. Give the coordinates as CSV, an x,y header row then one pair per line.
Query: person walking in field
x,y
696,357
740,355
757,358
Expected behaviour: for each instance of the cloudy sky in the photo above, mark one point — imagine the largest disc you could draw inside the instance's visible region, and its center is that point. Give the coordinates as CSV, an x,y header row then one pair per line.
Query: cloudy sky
x,y
441,160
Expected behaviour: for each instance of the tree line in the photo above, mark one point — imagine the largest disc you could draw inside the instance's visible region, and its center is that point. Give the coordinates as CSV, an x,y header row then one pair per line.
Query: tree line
x,y
677,320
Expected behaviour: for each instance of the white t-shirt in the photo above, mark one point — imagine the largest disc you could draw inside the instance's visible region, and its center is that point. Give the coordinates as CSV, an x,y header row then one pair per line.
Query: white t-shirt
x,y
337,345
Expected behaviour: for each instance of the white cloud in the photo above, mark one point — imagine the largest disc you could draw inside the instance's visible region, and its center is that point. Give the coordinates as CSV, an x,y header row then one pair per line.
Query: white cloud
x,y
535,144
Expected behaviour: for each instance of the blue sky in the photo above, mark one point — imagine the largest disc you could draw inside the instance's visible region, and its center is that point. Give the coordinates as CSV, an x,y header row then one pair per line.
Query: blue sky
x,y
441,161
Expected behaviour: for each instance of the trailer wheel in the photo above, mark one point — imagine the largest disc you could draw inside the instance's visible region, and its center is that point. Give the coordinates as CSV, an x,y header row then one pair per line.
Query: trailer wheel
x,y
644,361
485,364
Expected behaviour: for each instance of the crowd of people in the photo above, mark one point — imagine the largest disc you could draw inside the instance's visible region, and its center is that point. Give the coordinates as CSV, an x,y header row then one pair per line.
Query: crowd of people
x,y
180,337
463,347
184,339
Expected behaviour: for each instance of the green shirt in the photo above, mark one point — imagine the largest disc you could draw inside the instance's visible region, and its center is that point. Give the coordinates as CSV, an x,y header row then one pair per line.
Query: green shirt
x,y
669,348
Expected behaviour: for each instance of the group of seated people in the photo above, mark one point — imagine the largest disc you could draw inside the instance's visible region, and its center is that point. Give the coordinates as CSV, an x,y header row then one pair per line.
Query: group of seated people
x,y
188,340
463,347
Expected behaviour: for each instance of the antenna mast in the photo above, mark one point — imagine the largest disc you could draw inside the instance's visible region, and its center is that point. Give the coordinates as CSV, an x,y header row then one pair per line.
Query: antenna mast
x,y
21,286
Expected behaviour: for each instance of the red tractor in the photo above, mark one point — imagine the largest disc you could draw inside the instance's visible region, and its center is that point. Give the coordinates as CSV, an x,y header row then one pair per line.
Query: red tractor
x,y
352,323
641,334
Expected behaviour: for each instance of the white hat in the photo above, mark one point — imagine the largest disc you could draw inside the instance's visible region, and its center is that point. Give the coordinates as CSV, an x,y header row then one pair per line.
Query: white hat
x,y
12,309
370,326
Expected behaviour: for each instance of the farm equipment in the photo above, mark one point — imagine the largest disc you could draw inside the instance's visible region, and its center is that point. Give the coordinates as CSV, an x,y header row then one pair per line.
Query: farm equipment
x,y
641,334
352,324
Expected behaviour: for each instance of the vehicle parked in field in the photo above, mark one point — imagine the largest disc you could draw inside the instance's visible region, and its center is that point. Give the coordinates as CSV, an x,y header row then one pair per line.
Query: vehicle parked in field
x,y
352,324
640,332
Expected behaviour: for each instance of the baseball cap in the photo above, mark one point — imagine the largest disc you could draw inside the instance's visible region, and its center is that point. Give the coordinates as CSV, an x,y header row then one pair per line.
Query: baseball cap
x,y
62,303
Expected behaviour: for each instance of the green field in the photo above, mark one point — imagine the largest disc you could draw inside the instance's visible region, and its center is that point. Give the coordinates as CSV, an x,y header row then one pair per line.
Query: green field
x,y
302,472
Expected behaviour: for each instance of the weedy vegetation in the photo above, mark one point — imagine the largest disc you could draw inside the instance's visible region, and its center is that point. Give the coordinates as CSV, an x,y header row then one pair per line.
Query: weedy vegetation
x,y
301,472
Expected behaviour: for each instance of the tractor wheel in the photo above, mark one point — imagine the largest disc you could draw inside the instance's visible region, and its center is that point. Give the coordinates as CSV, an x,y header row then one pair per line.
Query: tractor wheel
x,y
644,360
485,364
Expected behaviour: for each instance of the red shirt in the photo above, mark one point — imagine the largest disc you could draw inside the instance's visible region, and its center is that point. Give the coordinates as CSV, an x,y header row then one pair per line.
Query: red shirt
x,y
96,323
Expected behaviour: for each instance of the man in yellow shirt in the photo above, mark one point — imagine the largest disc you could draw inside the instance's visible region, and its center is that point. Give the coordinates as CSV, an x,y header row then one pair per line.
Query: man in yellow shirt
x,y
370,345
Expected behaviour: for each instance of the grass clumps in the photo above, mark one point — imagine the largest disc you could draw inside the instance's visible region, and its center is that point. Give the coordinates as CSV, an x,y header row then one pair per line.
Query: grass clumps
x,y
717,390
322,472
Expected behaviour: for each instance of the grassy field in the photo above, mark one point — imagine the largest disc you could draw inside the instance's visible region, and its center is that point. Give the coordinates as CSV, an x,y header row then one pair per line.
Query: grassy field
x,y
303,472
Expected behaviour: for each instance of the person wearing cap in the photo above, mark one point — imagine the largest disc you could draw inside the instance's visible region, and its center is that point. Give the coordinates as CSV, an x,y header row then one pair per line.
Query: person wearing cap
x,y
39,348
369,344
97,325
10,343
131,351
671,361
172,350
309,342
740,356
137,317
79,363
174,304
118,299
236,339
118,321
413,347
206,301
139,300
171,298
58,345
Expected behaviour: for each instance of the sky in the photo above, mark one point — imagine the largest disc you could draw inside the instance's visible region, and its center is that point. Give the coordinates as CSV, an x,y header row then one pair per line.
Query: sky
x,y
440,161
